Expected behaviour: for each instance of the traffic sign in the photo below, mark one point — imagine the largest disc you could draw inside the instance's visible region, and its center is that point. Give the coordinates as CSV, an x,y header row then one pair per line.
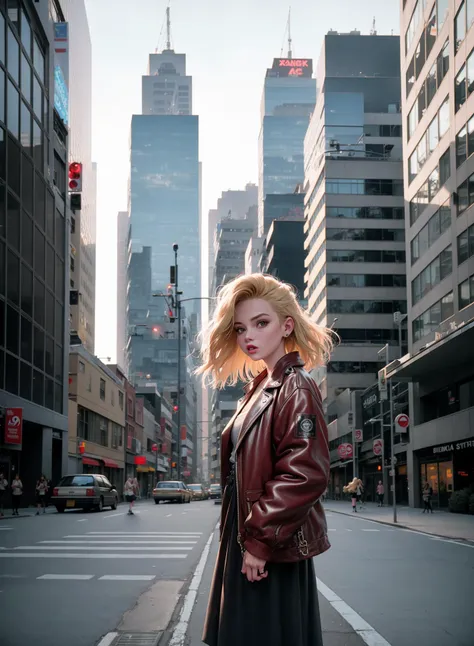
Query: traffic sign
x,y
359,435
377,447
402,422
345,451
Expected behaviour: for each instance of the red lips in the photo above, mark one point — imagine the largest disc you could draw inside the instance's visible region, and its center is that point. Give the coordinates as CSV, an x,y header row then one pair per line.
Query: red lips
x,y
251,348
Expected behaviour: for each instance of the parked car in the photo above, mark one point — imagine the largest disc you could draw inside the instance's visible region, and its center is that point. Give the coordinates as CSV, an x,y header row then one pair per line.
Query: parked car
x,y
173,491
198,492
84,491
215,491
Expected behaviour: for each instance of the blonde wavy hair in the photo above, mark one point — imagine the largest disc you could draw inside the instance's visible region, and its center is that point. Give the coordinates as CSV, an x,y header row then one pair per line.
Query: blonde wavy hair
x,y
224,363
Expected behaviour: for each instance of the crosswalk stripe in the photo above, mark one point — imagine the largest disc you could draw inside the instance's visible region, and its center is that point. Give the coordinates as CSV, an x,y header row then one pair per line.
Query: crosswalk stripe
x,y
370,530
90,547
127,577
132,536
65,577
67,555
146,533
107,542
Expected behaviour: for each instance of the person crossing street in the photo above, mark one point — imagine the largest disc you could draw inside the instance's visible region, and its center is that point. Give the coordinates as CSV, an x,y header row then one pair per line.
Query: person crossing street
x,y
130,491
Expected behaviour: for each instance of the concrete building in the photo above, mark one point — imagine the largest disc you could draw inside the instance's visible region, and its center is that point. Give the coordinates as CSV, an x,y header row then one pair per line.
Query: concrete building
x,y
288,100
253,254
82,257
96,418
438,108
355,232
123,284
285,254
34,245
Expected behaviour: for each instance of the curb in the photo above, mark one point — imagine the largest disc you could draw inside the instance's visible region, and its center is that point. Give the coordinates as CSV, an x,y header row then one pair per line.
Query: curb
x,y
401,526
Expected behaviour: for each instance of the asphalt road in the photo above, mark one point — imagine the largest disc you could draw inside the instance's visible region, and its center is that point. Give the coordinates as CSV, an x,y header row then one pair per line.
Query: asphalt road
x,y
52,568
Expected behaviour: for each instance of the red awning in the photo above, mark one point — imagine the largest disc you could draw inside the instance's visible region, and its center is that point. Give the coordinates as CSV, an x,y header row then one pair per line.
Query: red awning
x,y
91,462
110,463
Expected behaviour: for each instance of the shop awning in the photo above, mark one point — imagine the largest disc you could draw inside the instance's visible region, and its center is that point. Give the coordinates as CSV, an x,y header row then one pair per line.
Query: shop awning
x,y
91,462
110,463
142,469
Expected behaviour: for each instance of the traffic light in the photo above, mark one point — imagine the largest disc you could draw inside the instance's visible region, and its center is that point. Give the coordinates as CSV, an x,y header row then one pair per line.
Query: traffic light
x,y
75,177
379,467
82,447
173,274
176,408
173,465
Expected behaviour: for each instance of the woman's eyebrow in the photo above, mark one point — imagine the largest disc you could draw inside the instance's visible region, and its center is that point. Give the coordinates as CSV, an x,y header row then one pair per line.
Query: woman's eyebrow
x,y
253,318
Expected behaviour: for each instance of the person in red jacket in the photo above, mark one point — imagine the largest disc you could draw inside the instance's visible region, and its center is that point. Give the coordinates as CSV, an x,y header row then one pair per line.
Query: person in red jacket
x,y
274,465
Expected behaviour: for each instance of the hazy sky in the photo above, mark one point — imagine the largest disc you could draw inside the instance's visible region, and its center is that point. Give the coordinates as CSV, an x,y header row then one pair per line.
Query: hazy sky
x,y
229,45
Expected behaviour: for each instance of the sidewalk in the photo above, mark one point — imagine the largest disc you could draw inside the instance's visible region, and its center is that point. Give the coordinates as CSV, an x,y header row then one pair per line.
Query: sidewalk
x,y
26,512
440,523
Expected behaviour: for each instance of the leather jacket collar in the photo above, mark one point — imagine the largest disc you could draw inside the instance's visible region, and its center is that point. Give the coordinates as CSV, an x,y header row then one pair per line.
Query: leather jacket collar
x,y
289,360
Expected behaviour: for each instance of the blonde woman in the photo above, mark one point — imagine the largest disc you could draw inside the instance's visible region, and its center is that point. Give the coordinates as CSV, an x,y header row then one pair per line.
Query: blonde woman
x,y
274,466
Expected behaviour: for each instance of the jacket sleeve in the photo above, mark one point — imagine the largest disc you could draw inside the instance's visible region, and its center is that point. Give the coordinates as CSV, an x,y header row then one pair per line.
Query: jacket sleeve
x,y
300,476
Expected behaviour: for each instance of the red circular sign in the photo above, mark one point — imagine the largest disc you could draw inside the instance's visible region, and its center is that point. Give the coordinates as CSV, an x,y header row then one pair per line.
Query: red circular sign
x,y
345,451
402,420
377,447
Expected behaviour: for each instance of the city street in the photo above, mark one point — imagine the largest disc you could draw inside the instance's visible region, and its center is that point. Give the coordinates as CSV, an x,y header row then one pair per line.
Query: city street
x,y
70,578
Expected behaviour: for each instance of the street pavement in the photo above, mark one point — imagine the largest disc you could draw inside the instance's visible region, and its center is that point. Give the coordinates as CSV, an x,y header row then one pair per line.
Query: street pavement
x,y
71,578
96,578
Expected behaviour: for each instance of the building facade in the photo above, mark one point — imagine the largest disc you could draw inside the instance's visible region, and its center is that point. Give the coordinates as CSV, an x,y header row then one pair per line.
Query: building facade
x,y
438,110
285,254
34,246
354,217
288,100
96,418
123,263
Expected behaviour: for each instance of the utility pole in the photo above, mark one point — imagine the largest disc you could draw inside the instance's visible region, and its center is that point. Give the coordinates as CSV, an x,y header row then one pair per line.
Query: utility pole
x,y
168,28
178,314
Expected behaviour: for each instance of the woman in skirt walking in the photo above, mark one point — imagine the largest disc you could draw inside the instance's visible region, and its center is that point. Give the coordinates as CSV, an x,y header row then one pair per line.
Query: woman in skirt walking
x,y
274,466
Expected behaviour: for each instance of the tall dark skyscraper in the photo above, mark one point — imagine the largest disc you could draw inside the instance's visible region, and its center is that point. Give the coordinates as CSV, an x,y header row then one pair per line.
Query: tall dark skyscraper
x,y
289,97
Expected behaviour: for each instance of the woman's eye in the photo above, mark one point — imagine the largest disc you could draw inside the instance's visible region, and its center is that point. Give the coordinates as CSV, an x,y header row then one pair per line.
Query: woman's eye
x,y
262,323
239,330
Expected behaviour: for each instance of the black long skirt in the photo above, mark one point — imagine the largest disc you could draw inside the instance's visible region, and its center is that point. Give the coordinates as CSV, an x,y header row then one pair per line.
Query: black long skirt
x,y
281,610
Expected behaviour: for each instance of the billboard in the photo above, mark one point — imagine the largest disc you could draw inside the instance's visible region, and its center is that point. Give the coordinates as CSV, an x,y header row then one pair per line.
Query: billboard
x,y
13,426
61,70
293,67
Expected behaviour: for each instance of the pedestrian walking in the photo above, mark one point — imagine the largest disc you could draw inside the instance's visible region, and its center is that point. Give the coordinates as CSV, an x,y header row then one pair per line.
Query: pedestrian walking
x,y
427,495
130,491
359,493
274,466
354,489
3,493
41,493
380,493
17,492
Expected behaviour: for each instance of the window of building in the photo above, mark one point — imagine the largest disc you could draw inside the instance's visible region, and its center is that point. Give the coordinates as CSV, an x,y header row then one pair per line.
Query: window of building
x,y
102,389
375,255
433,184
433,317
412,121
444,167
466,292
432,275
466,245
104,431
395,235
460,26
444,119
469,13
353,367
364,186
365,280
366,212
365,307
112,397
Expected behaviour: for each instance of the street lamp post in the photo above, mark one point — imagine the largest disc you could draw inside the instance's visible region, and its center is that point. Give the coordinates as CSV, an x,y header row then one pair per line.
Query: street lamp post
x,y
178,312
385,349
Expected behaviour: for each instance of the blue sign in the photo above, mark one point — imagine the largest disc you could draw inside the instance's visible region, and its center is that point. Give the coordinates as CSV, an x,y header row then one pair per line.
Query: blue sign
x,y
61,96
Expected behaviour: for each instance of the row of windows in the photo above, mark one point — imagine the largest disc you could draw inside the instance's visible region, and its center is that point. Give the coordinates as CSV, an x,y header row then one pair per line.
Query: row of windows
x,y
432,275
465,194
464,83
465,142
95,428
20,378
18,20
366,307
360,255
430,188
366,212
366,280
435,227
433,317
364,186
429,88
466,244
393,235
315,189
432,28
319,300
429,141
371,130
313,219
466,292
356,335
463,22
317,256
352,367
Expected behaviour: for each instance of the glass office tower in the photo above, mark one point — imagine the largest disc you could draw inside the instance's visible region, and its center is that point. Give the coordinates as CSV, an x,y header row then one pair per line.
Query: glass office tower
x,y
289,96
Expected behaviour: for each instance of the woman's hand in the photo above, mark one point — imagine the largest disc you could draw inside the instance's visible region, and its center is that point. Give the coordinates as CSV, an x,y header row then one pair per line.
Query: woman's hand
x,y
254,568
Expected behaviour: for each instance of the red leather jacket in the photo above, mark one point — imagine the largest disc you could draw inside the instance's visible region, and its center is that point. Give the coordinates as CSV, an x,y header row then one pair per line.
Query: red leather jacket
x,y
282,466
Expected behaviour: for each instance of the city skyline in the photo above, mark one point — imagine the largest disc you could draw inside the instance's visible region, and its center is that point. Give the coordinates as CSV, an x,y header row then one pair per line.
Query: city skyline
x,y
222,86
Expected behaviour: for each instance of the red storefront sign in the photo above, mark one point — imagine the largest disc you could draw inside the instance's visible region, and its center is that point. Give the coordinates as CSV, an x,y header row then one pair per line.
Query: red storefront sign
x,y
13,426
345,451
140,459
184,433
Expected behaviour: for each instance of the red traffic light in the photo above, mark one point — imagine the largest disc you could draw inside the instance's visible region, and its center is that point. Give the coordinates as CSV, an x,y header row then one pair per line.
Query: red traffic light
x,y
175,408
75,177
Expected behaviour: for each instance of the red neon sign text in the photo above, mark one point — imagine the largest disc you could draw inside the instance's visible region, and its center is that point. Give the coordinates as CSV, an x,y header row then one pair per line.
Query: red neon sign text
x,y
297,62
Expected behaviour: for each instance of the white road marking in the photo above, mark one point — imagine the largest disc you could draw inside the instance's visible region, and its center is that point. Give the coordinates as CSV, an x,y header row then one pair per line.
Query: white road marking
x,y
179,633
5,529
370,530
67,555
331,529
365,631
82,520
65,577
113,516
146,533
97,549
107,542
348,530
106,537
107,639
13,576
454,541
168,515
127,577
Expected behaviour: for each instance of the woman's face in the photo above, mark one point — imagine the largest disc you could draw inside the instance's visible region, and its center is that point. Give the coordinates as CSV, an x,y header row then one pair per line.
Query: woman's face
x,y
260,332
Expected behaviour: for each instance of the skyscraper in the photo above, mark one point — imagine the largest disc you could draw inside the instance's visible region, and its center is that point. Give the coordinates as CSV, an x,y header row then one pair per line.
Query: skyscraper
x,y
123,261
289,96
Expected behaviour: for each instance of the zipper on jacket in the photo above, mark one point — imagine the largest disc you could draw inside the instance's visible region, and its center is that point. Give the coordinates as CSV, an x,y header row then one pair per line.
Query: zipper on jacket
x,y
302,543
239,535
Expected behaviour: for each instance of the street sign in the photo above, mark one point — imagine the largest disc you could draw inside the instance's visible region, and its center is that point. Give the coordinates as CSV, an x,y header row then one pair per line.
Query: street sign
x,y
13,426
345,451
350,422
383,389
397,317
402,423
377,447
359,435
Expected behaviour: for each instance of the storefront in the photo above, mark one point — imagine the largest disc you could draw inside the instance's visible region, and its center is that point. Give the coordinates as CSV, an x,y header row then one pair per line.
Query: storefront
x,y
447,468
